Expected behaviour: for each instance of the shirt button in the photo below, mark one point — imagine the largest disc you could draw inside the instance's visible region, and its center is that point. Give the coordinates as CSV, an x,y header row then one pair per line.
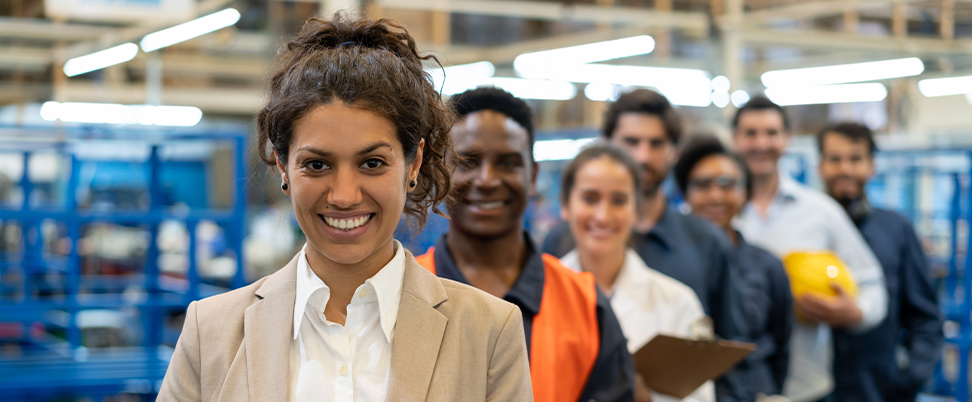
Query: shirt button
x,y
363,293
344,370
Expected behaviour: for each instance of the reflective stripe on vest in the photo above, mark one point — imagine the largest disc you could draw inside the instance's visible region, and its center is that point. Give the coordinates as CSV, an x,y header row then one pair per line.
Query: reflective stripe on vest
x,y
565,340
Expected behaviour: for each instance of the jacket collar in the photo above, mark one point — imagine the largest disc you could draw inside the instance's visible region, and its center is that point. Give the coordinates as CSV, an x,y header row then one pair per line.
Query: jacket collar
x,y
418,333
268,327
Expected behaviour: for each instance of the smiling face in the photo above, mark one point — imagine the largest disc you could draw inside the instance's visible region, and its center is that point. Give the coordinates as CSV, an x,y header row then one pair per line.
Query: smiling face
x,y
845,166
494,175
716,189
348,179
600,208
761,138
643,135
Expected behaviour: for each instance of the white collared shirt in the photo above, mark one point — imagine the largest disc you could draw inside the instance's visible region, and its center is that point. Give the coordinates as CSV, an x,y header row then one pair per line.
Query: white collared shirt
x,y
802,219
648,303
330,362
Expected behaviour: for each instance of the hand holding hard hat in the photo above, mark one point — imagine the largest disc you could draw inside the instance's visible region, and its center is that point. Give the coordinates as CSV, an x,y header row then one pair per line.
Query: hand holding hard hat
x,y
823,288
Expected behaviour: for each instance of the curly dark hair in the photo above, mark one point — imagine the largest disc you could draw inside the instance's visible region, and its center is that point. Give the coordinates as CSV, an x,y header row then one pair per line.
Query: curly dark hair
x,y
648,102
495,99
701,146
367,64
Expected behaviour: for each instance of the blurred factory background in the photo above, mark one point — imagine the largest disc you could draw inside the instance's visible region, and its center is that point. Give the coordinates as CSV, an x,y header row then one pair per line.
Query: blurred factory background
x,y
128,186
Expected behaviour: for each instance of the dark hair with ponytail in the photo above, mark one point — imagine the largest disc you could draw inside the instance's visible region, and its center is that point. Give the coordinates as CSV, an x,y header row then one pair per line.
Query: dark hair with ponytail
x,y
366,64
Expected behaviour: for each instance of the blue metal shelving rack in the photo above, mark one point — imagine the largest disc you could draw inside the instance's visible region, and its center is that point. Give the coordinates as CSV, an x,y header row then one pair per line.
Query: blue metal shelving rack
x,y
907,167
41,293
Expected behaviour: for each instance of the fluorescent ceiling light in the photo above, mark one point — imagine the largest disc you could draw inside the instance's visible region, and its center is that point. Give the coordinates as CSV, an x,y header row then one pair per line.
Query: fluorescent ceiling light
x,y
558,150
602,92
455,79
99,60
849,93
189,30
945,86
839,74
721,84
113,113
720,99
532,89
589,53
739,97
682,86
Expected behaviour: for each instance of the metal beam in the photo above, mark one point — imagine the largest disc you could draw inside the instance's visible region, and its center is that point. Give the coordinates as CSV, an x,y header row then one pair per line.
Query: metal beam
x,y
843,41
23,28
814,9
131,34
559,12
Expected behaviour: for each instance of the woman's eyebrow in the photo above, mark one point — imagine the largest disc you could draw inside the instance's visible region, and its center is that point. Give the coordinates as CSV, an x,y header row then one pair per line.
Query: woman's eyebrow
x,y
324,153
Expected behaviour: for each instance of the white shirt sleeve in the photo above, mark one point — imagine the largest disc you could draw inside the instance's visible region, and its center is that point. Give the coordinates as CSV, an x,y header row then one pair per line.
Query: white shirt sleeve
x,y
872,297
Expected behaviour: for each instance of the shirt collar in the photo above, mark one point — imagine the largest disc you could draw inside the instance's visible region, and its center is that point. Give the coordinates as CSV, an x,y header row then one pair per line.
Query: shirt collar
x,y
632,277
788,189
527,291
386,285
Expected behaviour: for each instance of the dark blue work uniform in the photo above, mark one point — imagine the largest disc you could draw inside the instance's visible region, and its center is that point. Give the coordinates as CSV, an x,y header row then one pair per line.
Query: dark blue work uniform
x,y
770,315
865,365
696,253
612,377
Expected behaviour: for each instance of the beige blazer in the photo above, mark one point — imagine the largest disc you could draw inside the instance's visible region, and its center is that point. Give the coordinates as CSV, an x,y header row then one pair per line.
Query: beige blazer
x,y
452,343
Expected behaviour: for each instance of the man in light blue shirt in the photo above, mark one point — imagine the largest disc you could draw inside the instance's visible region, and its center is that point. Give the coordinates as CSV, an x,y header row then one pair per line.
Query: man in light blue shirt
x,y
784,217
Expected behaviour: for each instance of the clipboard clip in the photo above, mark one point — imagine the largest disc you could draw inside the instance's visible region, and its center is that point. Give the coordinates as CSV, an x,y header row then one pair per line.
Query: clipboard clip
x,y
701,330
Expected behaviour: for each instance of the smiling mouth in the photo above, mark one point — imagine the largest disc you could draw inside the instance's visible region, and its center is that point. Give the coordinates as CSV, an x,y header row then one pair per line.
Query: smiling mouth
x,y
346,224
488,205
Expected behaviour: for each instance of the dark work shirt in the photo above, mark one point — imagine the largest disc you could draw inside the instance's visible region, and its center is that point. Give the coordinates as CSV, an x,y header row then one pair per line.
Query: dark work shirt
x,y
769,313
612,377
865,366
696,253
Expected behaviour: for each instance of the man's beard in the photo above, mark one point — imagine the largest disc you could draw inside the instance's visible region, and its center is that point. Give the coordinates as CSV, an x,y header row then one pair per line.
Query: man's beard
x,y
651,180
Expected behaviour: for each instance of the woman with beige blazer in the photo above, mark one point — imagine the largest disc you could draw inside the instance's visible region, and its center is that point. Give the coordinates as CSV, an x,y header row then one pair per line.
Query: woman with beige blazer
x,y
358,135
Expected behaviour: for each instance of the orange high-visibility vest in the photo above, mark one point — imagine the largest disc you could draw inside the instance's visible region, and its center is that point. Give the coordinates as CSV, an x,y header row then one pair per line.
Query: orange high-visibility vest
x,y
565,340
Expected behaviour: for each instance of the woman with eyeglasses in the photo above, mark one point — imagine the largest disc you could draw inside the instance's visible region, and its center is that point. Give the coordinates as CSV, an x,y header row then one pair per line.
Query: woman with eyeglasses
x,y
359,135
599,197
716,185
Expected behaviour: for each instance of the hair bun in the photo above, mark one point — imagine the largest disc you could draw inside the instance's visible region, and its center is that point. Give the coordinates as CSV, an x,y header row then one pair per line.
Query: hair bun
x,y
343,32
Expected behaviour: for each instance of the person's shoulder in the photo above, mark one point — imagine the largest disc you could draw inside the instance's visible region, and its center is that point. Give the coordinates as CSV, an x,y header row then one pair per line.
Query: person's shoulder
x,y
891,218
231,303
672,291
701,230
816,198
695,224
469,303
760,255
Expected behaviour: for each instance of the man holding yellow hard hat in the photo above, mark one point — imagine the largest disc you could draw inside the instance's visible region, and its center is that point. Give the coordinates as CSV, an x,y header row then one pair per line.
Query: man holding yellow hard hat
x,y
786,217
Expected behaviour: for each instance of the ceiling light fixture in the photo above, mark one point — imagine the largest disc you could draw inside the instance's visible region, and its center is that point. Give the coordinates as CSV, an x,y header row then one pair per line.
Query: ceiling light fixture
x,y
848,93
589,53
844,73
183,32
99,60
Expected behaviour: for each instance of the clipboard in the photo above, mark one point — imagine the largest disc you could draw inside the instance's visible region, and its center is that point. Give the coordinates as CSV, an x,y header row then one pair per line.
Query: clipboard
x,y
677,366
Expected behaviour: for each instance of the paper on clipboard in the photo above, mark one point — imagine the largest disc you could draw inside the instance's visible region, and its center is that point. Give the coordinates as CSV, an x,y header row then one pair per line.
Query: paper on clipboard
x,y
677,367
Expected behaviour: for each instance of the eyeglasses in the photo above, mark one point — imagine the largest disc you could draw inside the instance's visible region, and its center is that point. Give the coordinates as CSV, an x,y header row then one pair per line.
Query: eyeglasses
x,y
725,183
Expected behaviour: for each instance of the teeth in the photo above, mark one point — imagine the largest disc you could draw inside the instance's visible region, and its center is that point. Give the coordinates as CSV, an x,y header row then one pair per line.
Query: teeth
x,y
346,224
490,205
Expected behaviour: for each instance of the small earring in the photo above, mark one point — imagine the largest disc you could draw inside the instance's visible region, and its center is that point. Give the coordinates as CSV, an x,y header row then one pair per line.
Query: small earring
x,y
284,186
412,184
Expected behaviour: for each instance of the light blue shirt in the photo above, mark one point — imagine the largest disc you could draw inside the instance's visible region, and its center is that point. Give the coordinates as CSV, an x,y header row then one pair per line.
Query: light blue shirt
x,y
802,219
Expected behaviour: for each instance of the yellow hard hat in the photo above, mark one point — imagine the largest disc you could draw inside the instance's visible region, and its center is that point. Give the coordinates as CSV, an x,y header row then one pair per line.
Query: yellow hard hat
x,y
813,272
